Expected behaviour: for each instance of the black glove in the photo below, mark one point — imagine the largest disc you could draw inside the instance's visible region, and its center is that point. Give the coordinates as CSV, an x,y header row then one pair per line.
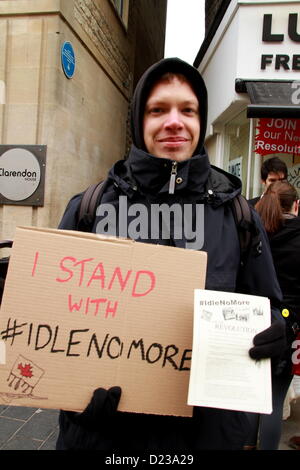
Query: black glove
x,y
102,406
269,343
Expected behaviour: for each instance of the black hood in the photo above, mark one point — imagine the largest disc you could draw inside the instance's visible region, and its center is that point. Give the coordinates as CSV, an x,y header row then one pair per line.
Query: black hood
x,y
151,175
144,86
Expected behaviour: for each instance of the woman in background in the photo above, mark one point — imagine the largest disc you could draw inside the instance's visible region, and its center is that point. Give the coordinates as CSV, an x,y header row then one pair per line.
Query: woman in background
x,y
278,209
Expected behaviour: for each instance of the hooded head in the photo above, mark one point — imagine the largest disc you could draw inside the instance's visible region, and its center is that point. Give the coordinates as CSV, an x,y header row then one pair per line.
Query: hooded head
x,y
147,83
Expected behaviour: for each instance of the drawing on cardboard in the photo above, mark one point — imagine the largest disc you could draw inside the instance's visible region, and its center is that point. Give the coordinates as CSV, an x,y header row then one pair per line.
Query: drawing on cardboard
x,y
23,379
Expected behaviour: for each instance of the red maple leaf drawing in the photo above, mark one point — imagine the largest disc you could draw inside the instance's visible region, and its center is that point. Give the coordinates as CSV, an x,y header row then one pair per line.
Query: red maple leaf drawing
x,y
26,371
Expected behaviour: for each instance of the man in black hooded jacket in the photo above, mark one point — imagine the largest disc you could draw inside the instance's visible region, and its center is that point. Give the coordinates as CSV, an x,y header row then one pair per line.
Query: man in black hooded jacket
x,y
168,164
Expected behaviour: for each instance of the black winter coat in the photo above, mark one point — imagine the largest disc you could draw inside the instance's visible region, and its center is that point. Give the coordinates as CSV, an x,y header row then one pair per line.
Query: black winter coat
x,y
285,247
209,429
145,179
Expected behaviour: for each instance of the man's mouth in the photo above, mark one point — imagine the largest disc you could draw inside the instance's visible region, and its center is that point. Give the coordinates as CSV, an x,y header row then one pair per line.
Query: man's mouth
x,y
173,139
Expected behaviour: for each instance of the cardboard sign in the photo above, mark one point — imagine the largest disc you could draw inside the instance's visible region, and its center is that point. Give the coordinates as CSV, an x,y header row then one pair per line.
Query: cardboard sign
x,y
82,311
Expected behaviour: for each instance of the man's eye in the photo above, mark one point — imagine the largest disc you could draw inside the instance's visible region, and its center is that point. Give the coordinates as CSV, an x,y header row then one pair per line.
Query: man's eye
x,y
156,110
189,111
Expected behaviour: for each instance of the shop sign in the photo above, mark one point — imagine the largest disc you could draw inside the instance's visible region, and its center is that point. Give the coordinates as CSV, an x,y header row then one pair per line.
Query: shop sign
x,y
278,136
22,174
285,61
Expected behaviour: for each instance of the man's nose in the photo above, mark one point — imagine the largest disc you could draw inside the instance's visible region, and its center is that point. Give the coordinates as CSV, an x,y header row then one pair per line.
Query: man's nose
x,y
173,120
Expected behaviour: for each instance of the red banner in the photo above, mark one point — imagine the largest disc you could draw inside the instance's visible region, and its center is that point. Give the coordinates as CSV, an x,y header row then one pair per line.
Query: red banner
x,y
278,136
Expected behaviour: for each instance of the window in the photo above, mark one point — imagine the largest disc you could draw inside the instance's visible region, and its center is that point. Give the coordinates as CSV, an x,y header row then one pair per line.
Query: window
x,y
281,133
119,6
241,159
122,7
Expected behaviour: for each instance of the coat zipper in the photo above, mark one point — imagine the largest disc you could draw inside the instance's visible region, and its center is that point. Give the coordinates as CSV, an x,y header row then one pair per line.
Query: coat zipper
x,y
173,178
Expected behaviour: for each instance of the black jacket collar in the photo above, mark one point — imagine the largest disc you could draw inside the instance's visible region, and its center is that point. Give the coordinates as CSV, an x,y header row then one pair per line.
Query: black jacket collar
x,y
149,175
152,174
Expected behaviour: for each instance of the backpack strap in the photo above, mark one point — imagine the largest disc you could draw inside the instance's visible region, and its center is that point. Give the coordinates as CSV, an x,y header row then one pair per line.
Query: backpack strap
x,y
247,230
88,206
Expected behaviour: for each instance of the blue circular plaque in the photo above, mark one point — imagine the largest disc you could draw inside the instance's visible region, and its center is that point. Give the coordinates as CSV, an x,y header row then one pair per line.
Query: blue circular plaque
x,y
68,59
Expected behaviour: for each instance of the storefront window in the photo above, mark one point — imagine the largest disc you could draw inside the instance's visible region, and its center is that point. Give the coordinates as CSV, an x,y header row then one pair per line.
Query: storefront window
x,y
247,146
294,172
283,137
122,7
119,6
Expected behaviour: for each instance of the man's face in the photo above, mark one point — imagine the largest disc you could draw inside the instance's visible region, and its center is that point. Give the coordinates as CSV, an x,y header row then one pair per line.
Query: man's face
x,y
171,120
272,177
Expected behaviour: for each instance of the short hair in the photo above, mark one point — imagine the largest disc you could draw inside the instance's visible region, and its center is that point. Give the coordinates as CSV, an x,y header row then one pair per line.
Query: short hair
x,y
169,77
273,165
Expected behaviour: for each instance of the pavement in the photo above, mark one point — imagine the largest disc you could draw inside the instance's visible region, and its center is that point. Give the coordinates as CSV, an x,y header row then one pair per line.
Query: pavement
x,y
23,428
290,426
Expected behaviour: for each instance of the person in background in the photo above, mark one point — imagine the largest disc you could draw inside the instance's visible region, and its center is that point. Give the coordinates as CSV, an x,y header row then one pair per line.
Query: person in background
x,y
271,170
278,210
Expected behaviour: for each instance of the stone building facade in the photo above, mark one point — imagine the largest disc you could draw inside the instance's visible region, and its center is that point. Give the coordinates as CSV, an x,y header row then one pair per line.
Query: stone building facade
x,y
82,121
